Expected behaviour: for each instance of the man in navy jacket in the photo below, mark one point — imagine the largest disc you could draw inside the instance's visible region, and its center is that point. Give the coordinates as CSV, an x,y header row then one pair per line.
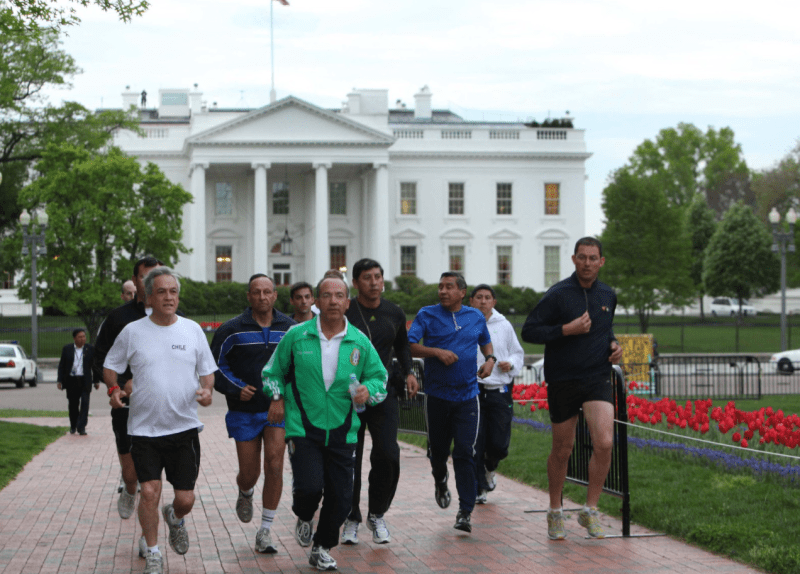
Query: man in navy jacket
x,y
75,376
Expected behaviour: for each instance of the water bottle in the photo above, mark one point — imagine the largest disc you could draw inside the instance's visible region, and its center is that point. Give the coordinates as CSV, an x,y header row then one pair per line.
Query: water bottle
x,y
354,385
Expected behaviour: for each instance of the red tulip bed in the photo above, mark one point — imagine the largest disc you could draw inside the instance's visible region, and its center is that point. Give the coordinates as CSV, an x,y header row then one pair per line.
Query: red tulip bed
x,y
210,325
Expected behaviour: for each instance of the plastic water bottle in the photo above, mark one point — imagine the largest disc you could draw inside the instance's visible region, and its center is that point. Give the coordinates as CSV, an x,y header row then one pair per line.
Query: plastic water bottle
x,y
354,385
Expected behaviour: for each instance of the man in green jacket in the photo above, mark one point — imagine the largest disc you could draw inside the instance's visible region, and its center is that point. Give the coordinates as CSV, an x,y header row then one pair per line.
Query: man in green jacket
x,y
309,378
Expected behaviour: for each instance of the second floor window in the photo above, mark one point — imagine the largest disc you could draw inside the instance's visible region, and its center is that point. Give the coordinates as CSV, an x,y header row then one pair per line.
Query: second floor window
x,y
504,199
408,260
455,200
338,198
552,265
408,198
224,263
504,265
456,258
552,198
338,256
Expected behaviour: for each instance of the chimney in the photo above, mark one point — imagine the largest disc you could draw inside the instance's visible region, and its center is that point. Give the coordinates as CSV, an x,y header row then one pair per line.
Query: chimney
x,y
422,105
195,99
129,98
354,102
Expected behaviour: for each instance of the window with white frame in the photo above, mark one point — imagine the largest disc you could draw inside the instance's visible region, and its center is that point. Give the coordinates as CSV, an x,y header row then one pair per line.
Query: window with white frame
x,y
338,256
408,198
224,199
338,198
552,198
408,260
456,258
282,273
455,199
504,265
552,265
224,263
280,198
504,199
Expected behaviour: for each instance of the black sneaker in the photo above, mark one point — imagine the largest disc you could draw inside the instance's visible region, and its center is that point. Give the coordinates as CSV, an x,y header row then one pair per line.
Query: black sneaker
x,y
443,493
463,521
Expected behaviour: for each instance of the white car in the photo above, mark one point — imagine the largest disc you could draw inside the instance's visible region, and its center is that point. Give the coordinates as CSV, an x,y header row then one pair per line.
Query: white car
x,y
15,366
729,306
785,362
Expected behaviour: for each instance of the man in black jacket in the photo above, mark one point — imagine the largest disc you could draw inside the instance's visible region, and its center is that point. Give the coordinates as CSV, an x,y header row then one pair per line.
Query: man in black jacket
x,y
241,348
75,376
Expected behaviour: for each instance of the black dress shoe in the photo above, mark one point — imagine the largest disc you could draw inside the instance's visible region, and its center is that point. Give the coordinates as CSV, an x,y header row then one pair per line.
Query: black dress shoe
x,y
463,522
82,433
71,431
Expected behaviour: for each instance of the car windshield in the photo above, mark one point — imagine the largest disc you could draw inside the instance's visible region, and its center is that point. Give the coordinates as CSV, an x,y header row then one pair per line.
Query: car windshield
x,y
7,352
736,302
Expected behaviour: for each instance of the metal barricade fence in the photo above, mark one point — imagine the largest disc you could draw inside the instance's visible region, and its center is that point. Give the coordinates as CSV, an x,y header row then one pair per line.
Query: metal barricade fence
x,y
412,411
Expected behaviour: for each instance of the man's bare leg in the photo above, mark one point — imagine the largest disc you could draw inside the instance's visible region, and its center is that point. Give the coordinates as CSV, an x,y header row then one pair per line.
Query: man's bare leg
x,y
274,448
148,511
600,419
128,472
563,440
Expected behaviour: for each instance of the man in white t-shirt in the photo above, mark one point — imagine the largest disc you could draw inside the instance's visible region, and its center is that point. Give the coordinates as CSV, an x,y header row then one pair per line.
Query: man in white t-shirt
x,y
167,354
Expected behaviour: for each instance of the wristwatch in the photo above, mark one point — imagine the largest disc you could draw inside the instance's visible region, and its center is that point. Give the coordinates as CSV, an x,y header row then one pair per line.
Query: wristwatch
x,y
487,357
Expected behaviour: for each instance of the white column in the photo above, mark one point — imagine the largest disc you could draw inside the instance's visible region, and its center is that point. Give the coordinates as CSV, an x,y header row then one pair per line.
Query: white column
x,y
260,228
198,269
366,219
380,217
321,249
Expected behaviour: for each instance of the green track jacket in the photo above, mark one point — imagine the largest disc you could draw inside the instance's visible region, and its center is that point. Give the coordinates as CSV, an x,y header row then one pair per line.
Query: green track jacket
x,y
295,373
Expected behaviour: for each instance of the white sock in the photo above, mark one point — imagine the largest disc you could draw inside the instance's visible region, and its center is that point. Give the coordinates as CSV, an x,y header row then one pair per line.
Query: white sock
x,y
555,510
267,516
152,549
247,493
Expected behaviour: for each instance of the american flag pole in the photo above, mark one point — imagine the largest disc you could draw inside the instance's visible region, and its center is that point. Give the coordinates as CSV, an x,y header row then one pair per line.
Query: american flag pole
x,y
272,95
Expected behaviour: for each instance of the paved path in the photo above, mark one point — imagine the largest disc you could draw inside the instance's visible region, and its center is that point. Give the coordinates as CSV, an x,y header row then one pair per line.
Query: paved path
x,y
59,517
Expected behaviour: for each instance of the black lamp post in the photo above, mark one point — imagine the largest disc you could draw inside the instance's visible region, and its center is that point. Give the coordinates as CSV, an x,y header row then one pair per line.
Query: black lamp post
x,y
33,242
781,243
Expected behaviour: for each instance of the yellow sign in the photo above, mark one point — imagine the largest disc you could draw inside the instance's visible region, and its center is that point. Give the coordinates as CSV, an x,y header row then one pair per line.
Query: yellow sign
x,y
637,352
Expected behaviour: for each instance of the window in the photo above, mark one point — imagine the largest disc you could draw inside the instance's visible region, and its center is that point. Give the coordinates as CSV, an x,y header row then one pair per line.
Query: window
x,y
7,280
282,273
408,260
224,264
224,199
338,198
503,199
552,198
455,200
408,198
456,258
280,198
338,256
552,265
504,265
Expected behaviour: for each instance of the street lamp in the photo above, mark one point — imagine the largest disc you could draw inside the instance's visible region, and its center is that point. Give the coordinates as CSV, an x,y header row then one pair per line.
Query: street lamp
x,y
34,239
783,242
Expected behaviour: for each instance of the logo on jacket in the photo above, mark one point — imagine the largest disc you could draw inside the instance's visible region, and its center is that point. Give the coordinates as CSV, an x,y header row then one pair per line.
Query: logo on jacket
x,y
355,356
604,308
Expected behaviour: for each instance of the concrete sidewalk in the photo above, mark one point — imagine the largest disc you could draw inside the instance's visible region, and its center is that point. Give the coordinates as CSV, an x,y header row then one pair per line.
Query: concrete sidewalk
x,y
60,516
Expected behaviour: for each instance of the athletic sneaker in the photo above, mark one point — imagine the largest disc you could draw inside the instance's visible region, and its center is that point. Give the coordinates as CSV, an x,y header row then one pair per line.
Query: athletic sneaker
x,y
125,503
178,537
380,534
350,532
442,492
320,558
142,548
154,563
264,542
491,480
244,507
482,497
591,523
555,526
463,521
303,531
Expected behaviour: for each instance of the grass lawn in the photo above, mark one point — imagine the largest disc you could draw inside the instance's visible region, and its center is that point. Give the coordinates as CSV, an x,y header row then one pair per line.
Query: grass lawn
x,y
20,442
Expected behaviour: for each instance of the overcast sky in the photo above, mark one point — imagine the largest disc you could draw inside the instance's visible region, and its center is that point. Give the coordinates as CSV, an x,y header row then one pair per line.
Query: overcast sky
x,y
623,68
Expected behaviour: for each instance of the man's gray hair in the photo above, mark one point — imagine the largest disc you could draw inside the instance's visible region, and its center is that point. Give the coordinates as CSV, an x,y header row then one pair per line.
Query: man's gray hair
x,y
156,272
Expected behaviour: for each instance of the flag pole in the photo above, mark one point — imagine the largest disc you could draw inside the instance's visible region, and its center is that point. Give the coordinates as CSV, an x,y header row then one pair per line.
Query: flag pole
x,y
272,95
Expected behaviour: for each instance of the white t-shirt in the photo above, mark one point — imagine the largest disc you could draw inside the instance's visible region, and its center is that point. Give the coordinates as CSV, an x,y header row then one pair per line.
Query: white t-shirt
x,y
166,363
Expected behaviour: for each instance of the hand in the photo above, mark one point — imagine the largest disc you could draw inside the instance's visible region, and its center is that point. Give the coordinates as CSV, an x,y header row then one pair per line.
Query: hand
x,y
96,386
247,393
446,357
578,326
504,366
412,384
58,384
616,353
276,411
486,369
116,398
203,397
362,395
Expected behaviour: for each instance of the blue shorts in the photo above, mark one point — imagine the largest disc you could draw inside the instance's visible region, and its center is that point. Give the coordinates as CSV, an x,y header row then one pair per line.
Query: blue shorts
x,y
244,427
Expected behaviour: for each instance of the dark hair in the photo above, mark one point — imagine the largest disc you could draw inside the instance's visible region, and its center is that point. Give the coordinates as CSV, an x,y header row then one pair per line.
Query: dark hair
x,y
321,281
459,279
76,331
148,261
483,287
300,285
589,242
259,276
365,265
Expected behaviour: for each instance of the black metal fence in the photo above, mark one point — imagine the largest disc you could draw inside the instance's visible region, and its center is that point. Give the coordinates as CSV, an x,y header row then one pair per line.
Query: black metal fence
x,y
412,411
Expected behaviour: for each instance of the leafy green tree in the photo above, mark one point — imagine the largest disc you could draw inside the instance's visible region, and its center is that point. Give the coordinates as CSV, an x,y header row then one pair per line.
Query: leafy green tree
x,y
701,223
31,14
105,212
646,246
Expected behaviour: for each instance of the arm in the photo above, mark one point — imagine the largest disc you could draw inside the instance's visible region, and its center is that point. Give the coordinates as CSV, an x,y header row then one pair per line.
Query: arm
x,y
403,354
204,392
423,352
110,379
373,378
273,378
225,381
486,367
545,323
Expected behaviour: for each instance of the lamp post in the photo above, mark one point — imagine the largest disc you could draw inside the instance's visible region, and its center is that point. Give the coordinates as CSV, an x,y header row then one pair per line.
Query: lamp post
x,y
34,240
781,243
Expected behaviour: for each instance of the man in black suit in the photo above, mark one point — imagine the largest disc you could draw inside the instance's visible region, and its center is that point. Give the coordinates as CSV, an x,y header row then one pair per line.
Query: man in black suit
x,y
75,375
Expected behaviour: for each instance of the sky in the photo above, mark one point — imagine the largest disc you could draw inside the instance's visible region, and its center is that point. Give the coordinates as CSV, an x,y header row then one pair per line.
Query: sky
x,y
624,69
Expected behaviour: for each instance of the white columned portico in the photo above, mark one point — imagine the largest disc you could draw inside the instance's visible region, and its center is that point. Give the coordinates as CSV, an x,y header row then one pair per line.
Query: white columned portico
x,y
380,205
321,260
260,228
198,266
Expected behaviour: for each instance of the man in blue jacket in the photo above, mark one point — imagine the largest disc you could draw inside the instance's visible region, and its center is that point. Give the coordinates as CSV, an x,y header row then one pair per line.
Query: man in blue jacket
x,y
241,348
574,322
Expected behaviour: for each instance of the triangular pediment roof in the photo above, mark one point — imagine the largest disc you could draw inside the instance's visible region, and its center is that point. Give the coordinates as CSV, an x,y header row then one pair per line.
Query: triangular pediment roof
x,y
291,122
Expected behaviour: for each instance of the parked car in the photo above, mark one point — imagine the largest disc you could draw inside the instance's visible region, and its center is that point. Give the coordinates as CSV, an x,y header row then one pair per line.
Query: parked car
x,y
725,306
785,362
15,366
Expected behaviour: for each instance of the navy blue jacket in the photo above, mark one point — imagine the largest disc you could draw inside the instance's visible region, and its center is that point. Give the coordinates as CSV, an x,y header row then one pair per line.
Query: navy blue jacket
x,y
242,348
574,357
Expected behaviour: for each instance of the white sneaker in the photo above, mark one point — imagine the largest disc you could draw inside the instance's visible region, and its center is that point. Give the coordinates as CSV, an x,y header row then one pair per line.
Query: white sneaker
x,y
482,497
264,542
350,532
154,564
321,559
380,534
304,532
125,503
491,480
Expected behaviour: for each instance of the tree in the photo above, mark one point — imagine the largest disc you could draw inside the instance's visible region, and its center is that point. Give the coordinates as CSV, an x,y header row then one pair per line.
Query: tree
x,y
32,14
646,246
700,224
105,211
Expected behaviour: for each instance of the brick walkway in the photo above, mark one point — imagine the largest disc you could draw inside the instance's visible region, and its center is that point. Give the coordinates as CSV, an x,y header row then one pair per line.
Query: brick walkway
x,y
59,516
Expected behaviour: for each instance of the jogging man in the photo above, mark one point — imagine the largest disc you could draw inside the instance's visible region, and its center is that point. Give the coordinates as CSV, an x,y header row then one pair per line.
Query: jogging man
x,y
301,296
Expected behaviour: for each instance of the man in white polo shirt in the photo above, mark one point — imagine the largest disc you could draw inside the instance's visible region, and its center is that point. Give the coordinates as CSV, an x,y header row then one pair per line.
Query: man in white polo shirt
x,y
167,354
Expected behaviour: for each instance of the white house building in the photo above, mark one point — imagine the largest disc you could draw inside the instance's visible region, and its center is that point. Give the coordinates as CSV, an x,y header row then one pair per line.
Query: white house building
x,y
422,191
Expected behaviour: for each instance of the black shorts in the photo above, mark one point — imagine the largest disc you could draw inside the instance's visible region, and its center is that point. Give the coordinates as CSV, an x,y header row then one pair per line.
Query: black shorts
x,y
119,422
178,454
565,398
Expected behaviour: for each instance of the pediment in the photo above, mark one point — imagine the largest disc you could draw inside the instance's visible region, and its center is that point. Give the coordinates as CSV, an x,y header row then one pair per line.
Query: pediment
x,y
409,234
340,233
553,234
505,235
291,121
456,233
